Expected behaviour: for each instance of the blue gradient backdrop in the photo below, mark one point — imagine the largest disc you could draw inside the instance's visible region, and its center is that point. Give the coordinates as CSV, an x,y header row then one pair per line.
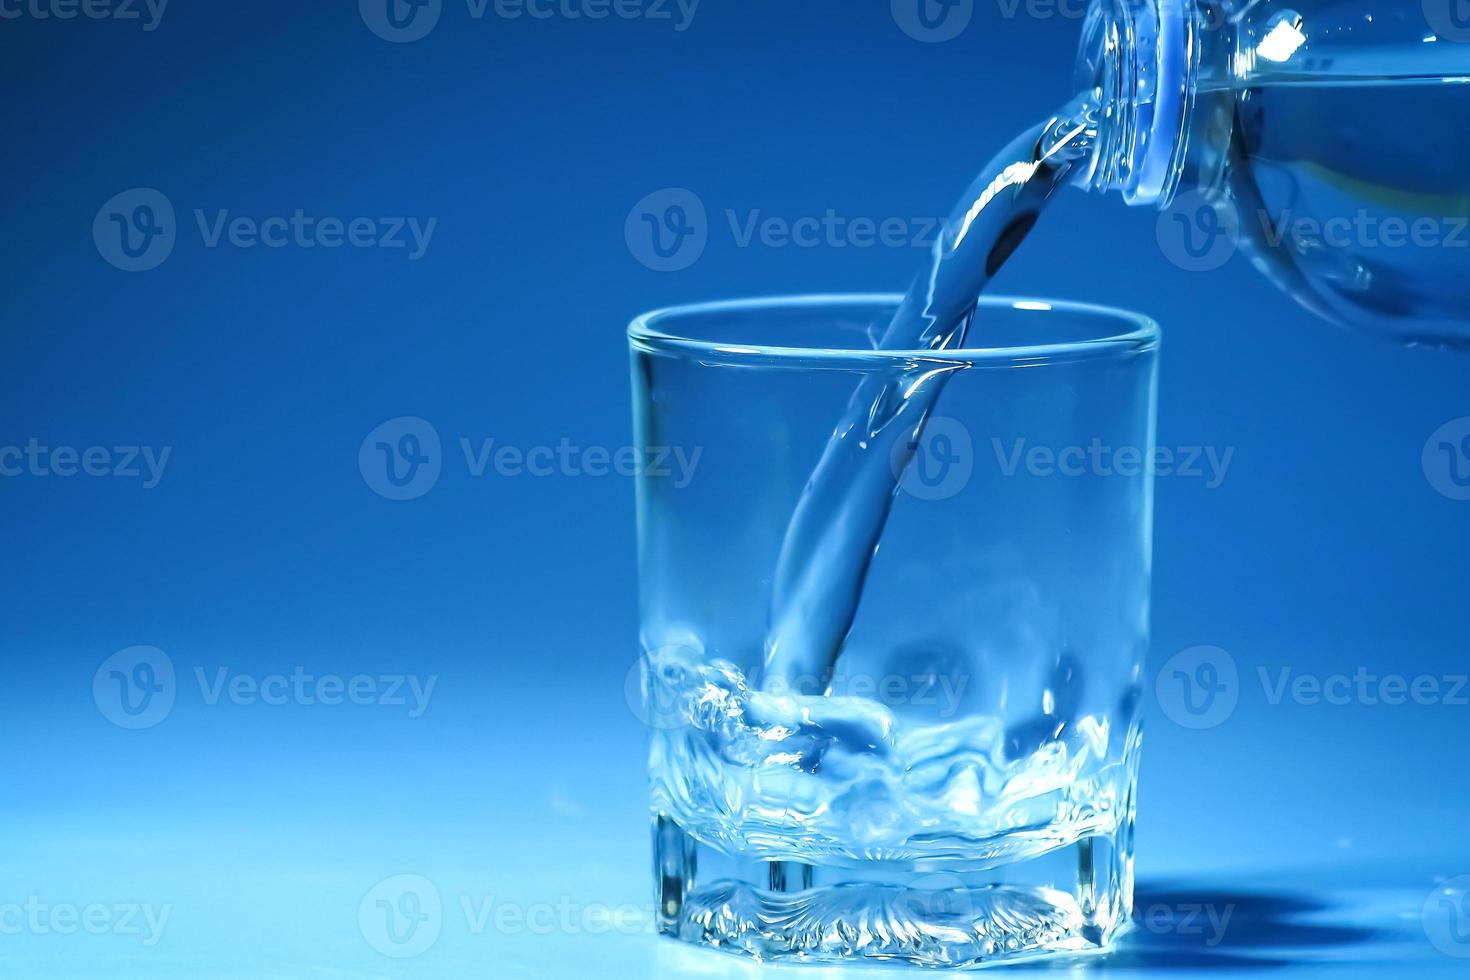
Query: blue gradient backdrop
x,y
260,831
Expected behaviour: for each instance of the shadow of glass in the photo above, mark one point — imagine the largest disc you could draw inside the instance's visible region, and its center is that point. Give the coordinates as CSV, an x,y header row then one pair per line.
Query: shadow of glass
x,y
1177,926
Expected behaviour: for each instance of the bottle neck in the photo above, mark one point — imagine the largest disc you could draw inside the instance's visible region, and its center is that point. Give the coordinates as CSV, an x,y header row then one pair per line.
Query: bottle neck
x,y
1160,74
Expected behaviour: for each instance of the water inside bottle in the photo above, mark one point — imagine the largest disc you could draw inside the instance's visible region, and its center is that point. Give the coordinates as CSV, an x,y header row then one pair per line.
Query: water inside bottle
x,y
1355,199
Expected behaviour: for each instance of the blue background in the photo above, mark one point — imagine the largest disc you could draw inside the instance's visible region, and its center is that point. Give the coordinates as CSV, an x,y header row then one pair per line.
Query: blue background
x,y
264,549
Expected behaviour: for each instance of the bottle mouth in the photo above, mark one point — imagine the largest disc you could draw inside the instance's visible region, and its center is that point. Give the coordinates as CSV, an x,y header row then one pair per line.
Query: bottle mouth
x,y
1134,58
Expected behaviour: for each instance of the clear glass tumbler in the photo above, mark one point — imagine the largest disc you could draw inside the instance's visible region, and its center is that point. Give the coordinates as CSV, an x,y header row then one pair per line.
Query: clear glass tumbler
x,y
957,787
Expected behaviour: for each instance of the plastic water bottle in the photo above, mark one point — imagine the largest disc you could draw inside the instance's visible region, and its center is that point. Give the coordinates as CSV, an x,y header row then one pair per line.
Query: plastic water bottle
x,y
1327,139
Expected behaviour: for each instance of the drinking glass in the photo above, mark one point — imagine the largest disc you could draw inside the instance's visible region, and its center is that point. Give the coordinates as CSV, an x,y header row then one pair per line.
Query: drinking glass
x,y
957,786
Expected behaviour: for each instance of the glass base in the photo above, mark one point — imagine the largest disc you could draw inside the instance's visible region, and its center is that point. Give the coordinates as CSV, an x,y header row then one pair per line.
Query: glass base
x,y
1073,899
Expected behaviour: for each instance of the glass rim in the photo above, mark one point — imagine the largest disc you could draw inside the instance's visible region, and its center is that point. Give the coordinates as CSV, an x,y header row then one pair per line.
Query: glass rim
x,y
1138,334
